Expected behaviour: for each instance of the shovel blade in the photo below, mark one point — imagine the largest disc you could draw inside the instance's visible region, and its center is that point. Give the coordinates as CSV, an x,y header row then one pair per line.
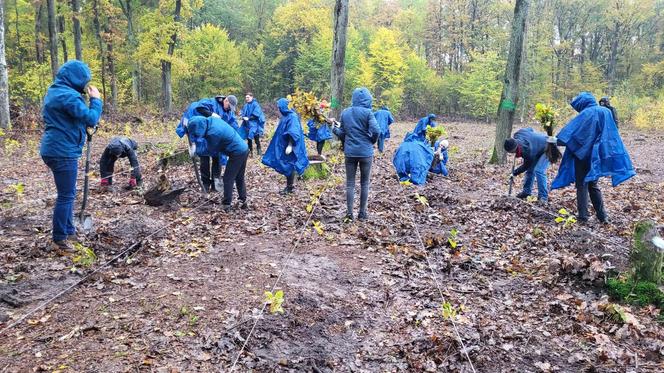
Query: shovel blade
x,y
85,223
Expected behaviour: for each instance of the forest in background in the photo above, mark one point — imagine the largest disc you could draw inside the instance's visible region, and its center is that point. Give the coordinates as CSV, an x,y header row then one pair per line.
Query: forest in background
x,y
418,56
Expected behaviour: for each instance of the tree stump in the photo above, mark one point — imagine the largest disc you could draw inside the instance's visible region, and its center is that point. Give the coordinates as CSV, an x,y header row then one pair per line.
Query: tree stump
x,y
647,253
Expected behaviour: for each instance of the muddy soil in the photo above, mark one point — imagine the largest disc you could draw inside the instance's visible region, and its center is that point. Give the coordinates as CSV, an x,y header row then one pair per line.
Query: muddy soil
x,y
362,297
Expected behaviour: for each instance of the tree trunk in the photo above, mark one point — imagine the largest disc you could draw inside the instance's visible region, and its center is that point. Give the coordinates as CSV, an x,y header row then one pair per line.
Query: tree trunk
x,y
52,37
135,68
111,71
76,8
4,79
100,43
647,256
510,95
39,40
166,87
18,40
338,56
61,31
613,57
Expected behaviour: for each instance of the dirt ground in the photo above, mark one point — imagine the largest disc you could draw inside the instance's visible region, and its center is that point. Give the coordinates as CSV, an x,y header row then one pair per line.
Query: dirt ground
x,y
358,297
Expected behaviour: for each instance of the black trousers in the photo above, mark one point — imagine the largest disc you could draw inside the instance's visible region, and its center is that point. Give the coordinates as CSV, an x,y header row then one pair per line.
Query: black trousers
x,y
583,189
206,177
257,140
234,174
319,147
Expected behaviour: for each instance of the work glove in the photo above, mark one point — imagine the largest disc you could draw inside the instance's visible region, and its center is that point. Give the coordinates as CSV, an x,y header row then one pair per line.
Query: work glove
x,y
552,140
132,183
192,150
440,156
289,149
246,119
215,115
104,182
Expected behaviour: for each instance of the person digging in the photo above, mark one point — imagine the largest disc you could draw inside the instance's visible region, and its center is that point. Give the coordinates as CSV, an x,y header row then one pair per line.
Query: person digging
x,y
531,146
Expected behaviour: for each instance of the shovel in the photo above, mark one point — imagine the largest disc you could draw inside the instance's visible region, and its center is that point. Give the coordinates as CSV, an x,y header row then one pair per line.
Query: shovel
x,y
509,192
84,219
194,163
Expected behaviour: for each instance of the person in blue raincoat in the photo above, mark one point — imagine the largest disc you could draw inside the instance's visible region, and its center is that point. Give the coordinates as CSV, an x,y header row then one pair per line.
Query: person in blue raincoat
x,y
531,146
358,130
213,136
412,160
385,120
593,149
319,133
67,117
422,125
287,152
439,164
253,123
222,107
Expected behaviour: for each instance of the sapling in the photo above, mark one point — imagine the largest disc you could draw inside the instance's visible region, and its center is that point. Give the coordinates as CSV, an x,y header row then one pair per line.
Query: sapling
x,y
565,218
546,116
275,301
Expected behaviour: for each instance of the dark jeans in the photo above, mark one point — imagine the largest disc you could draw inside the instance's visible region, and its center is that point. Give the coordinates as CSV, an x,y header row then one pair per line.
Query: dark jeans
x,y
365,177
319,147
106,166
290,180
64,173
381,143
257,139
208,180
234,174
581,169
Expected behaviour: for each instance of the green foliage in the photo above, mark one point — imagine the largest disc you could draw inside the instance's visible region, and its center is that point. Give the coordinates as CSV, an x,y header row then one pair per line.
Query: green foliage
x,y
481,86
212,64
17,188
434,133
640,293
320,171
448,310
565,218
275,301
85,255
545,115
452,239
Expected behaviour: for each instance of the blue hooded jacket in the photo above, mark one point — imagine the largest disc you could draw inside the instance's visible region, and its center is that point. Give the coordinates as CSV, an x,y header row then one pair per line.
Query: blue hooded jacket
x,y
214,137
322,133
256,123
533,145
288,130
422,124
441,167
66,114
205,107
359,129
384,119
412,161
592,135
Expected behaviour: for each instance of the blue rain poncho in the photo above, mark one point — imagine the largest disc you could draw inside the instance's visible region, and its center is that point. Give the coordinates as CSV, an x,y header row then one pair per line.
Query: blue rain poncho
x,y
592,135
441,167
65,113
359,129
422,124
288,130
320,133
214,137
412,161
384,119
206,105
256,123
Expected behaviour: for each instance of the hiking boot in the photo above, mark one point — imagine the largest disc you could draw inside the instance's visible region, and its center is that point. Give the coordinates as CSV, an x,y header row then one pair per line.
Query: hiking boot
x,y
286,191
244,205
226,208
63,248
362,216
523,195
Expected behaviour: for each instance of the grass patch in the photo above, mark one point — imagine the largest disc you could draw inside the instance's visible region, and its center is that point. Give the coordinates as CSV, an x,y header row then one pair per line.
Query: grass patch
x,y
320,171
640,293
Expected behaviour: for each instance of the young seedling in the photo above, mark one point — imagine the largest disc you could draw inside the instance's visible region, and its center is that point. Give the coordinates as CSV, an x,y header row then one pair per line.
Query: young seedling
x,y
86,256
448,310
565,218
17,188
318,226
275,301
422,200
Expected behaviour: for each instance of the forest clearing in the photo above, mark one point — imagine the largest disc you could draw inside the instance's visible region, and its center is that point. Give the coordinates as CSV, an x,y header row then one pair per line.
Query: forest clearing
x,y
528,292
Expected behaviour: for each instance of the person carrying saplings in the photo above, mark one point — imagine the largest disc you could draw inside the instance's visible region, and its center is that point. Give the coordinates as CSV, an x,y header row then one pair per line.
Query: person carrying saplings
x,y
67,117
384,119
214,136
253,123
531,146
412,160
287,152
593,149
439,164
358,130
319,133
119,147
422,124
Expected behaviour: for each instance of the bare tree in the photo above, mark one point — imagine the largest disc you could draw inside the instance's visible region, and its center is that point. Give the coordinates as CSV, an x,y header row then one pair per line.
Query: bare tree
x,y
166,86
510,95
39,40
76,8
339,55
4,79
52,37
